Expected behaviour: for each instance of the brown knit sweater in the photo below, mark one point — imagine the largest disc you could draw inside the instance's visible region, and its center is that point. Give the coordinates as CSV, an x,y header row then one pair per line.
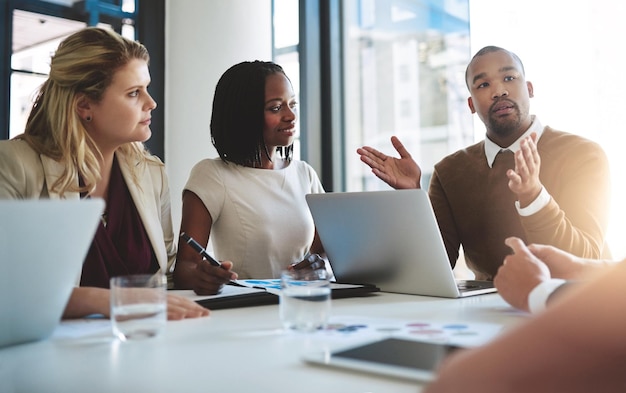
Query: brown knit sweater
x,y
475,207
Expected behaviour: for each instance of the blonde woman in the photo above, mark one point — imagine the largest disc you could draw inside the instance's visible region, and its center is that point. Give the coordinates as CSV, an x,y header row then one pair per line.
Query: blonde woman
x,y
84,139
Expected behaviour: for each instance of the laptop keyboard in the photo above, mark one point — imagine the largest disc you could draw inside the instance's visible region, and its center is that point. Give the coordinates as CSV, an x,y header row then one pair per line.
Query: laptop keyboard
x,y
465,285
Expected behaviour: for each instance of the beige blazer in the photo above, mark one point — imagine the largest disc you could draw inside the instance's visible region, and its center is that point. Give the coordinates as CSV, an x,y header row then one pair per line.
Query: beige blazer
x,y
25,174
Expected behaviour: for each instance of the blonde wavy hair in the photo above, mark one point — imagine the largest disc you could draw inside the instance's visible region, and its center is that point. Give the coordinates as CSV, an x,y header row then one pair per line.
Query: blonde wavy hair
x,y
83,65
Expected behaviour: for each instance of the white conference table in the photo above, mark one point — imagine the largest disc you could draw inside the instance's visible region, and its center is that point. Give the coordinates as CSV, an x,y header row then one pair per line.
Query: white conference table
x,y
232,350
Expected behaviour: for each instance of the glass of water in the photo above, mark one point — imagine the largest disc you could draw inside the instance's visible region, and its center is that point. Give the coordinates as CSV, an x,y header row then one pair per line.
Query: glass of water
x,y
138,305
305,299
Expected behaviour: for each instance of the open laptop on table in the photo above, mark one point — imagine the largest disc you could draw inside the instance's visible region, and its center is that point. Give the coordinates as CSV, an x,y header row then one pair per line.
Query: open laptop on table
x,y
42,247
390,239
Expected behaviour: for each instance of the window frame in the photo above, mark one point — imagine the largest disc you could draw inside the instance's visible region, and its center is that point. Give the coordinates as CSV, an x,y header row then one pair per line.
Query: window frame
x,y
149,29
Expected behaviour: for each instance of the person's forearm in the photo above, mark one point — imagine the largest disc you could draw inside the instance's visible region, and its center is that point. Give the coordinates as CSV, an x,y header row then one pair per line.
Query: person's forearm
x,y
86,301
589,268
577,217
183,274
523,360
598,262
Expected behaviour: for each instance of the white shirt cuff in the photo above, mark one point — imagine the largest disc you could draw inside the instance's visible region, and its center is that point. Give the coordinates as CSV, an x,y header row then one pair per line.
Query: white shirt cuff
x,y
539,203
538,297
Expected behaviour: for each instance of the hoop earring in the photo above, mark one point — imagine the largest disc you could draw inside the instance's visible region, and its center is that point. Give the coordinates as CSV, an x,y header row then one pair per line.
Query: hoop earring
x,y
88,118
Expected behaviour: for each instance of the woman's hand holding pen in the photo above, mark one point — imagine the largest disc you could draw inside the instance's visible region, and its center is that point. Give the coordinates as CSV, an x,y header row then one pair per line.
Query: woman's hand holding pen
x,y
210,274
210,279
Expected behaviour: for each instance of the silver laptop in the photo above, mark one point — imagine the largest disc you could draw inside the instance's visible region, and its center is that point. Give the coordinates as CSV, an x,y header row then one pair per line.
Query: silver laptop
x,y
42,247
390,239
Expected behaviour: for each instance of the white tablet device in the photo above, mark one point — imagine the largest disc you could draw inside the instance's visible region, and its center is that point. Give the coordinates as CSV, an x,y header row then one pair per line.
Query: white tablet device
x,y
397,357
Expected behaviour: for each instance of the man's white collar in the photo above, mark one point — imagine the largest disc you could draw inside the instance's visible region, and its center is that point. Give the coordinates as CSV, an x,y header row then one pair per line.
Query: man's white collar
x,y
492,149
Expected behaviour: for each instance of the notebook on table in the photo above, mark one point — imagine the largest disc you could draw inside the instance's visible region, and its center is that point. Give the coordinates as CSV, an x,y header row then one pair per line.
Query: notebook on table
x,y
42,247
389,239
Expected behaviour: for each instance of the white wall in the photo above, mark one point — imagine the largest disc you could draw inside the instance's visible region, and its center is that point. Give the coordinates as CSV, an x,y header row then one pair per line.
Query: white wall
x,y
574,54
203,39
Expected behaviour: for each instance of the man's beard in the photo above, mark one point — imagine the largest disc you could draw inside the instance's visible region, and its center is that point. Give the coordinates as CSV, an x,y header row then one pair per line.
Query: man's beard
x,y
507,125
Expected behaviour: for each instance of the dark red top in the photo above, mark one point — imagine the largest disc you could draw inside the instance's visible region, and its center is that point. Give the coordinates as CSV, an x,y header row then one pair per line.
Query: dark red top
x,y
121,245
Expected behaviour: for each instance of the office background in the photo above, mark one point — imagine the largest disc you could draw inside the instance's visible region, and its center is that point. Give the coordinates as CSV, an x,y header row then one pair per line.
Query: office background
x,y
570,51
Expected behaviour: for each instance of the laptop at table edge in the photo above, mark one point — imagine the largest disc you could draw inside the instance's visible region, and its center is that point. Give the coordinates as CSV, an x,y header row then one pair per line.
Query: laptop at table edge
x,y
43,244
390,239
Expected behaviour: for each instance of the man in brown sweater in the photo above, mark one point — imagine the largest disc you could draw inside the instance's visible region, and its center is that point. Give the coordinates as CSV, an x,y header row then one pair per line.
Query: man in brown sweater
x,y
524,180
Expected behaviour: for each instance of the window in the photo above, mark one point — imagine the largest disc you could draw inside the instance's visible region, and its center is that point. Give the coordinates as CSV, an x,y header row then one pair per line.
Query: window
x,y
35,38
36,35
286,39
404,65
400,72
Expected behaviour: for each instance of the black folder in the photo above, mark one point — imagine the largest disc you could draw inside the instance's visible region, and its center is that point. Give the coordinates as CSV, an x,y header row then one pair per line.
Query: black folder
x,y
258,296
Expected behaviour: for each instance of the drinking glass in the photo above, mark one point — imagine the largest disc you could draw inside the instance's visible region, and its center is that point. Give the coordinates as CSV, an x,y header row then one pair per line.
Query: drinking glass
x,y
138,305
305,299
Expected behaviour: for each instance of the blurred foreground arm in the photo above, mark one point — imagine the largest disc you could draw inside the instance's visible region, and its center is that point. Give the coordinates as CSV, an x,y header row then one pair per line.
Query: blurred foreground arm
x,y
520,273
575,346
529,276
